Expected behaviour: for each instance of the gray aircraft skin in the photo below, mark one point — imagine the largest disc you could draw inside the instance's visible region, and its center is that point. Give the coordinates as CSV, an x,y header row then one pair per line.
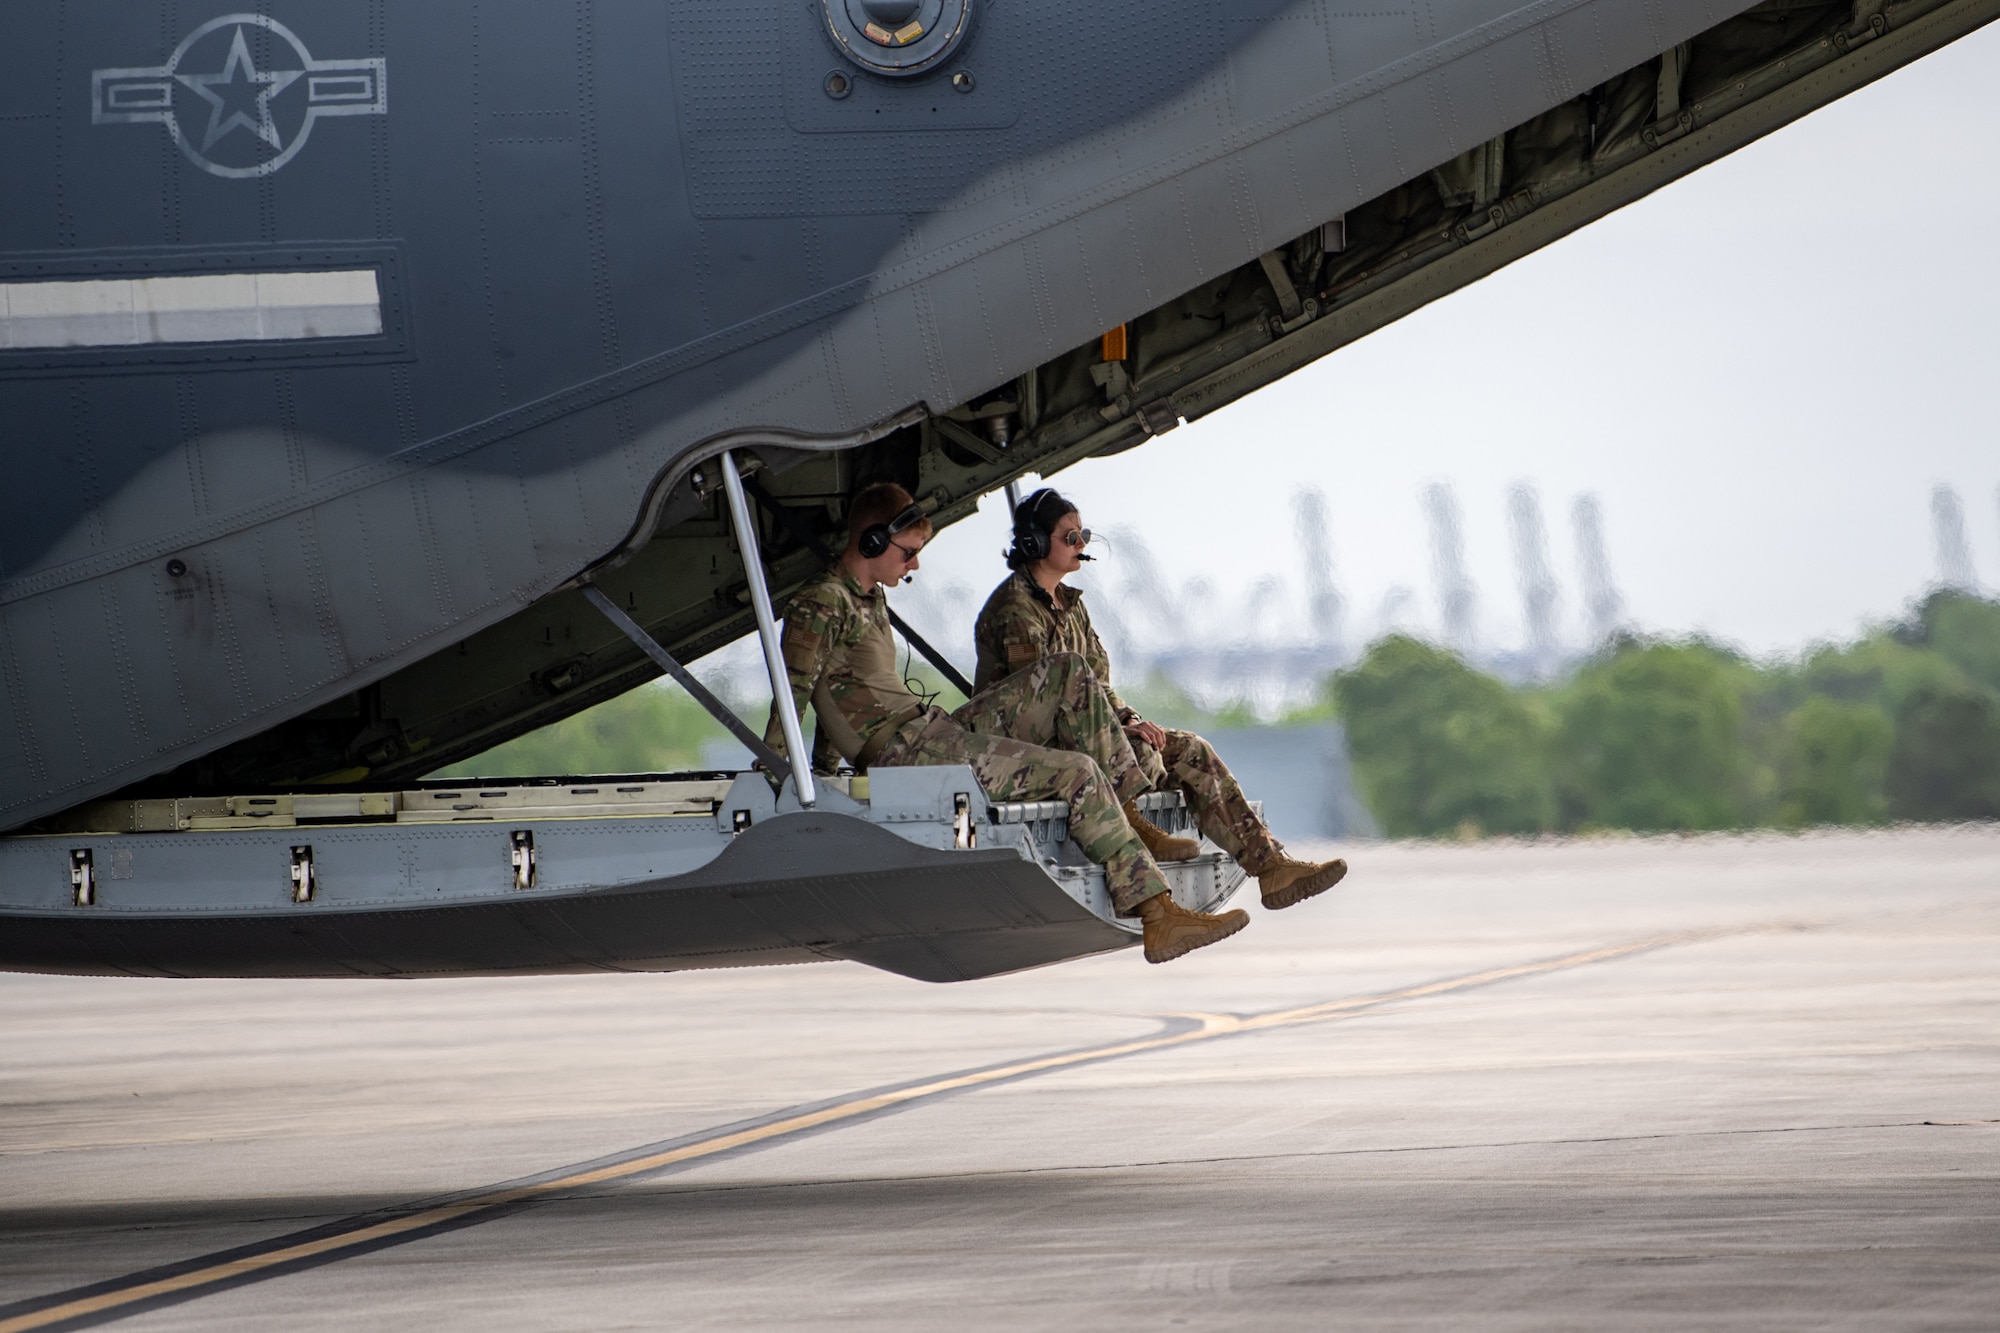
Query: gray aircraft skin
x,y
340,341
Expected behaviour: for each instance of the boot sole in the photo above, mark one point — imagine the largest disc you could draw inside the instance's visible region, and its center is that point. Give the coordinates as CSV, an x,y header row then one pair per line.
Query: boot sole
x,y
1233,922
1301,889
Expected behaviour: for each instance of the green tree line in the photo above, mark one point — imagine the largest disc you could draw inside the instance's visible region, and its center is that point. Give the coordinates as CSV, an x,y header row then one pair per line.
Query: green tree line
x,y
1657,734
656,728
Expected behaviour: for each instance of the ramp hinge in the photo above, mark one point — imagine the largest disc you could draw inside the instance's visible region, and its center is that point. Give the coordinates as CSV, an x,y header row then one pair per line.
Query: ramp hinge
x,y
1670,119
1668,130
1273,264
83,876
1869,23
1158,416
1484,225
521,856
963,834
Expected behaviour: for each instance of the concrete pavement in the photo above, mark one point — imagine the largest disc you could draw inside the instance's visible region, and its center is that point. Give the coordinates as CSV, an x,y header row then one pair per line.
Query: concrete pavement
x,y
1783,1111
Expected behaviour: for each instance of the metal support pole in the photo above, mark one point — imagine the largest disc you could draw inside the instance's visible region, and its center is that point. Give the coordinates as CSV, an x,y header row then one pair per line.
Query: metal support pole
x,y
767,630
1013,499
670,664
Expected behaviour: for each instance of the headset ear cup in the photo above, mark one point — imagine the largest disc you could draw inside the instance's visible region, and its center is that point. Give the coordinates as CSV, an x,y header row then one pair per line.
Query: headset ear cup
x,y
1030,537
875,538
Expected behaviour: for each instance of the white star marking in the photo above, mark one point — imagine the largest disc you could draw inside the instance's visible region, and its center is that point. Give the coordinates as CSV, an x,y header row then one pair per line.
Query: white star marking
x,y
232,89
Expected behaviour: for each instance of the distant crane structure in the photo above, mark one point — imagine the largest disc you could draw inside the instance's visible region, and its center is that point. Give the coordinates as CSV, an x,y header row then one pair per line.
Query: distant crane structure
x,y
1602,604
1531,568
1457,598
1954,549
1264,608
1324,604
1394,608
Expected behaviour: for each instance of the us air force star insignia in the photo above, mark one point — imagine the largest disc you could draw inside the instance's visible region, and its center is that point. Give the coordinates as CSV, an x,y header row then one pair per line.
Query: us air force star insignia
x,y
223,91
240,95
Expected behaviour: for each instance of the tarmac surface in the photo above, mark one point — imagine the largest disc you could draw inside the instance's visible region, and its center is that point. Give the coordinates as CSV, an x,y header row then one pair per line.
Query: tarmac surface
x,y
1672,1083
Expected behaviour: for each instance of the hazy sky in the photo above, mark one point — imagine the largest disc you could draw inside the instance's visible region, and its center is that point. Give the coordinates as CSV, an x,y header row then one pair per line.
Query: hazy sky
x,y
1761,370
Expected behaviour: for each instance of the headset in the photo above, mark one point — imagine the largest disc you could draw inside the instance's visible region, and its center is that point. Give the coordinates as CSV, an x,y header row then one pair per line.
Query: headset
x,y
1032,537
875,537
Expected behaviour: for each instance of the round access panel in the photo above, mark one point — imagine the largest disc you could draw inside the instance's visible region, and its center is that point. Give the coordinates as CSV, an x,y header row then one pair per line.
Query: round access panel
x,y
898,37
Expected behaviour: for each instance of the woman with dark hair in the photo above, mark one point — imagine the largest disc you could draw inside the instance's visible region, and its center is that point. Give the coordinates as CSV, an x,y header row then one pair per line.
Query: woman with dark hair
x,y
1048,734
1034,615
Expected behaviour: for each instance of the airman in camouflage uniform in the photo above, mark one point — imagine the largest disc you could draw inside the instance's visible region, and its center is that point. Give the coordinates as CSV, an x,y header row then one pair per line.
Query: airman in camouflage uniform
x,y
840,656
1025,622
1021,626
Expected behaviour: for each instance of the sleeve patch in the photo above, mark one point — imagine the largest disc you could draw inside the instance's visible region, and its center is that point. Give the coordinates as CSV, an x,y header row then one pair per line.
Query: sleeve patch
x,y
801,649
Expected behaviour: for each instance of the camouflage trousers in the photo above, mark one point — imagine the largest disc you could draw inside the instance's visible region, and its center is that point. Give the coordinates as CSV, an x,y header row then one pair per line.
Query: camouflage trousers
x,y
1189,765
1048,734
1058,702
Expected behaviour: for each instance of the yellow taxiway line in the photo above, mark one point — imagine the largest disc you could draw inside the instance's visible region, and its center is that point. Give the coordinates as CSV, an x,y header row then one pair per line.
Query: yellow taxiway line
x,y
96,1307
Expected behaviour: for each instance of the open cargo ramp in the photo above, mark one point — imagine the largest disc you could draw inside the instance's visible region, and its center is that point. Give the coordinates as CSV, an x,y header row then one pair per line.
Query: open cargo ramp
x,y
912,871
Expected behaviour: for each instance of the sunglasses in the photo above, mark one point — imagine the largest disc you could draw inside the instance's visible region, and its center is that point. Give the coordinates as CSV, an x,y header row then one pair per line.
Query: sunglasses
x,y
909,555
1077,537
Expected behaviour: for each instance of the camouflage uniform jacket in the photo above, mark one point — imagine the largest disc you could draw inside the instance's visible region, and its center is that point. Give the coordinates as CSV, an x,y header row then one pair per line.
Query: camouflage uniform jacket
x,y
840,656
1021,624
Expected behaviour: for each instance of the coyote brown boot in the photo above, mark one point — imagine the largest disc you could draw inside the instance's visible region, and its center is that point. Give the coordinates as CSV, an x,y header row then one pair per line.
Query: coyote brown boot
x,y
1172,930
1281,881
1163,845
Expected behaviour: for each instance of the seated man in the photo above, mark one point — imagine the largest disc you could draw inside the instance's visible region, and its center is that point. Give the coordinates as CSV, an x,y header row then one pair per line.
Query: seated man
x,y
1034,614
840,657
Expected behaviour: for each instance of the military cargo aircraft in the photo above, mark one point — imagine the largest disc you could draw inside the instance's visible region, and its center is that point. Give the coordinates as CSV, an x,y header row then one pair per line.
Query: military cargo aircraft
x,y
382,380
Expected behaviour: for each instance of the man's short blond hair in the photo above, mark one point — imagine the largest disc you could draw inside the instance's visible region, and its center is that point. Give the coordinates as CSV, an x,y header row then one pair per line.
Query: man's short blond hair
x,y
878,504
